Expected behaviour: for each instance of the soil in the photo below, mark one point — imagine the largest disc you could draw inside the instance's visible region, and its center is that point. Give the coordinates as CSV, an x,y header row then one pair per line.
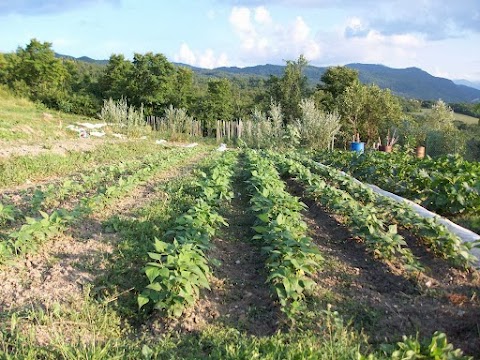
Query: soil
x,y
239,296
58,147
387,304
63,268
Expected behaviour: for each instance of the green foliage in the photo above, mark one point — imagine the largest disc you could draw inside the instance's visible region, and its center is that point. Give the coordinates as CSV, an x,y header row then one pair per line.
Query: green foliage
x,y
8,214
292,259
334,81
265,130
124,118
290,88
317,129
180,268
365,220
176,276
218,104
433,234
437,349
447,185
368,110
34,232
441,135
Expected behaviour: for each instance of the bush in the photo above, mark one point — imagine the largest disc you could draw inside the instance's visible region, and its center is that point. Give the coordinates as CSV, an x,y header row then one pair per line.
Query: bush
x,y
124,118
317,129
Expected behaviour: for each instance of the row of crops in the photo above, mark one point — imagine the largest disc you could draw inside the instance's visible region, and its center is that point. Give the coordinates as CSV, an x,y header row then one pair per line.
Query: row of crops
x,y
44,212
448,185
178,270
179,266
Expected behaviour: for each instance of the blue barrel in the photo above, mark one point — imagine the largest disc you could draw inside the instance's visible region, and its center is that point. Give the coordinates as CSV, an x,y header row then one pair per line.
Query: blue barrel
x,y
357,146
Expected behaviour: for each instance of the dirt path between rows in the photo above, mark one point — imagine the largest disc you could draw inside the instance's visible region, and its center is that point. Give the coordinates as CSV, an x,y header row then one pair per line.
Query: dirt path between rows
x,y
239,296
386,304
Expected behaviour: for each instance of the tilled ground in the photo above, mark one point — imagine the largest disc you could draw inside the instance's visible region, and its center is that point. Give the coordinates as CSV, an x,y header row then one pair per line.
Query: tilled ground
x,y
387,302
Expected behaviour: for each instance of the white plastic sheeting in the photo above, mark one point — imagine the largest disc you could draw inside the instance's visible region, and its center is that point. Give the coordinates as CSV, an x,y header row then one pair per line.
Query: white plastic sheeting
x,y
464,234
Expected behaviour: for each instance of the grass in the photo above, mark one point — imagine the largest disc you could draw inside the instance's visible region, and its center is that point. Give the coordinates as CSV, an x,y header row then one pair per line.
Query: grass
x,y
25,121
469,120
17,170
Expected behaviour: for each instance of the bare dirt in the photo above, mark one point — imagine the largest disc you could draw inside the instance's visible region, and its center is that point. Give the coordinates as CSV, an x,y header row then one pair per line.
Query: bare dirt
x,y
60,147
239,296
62,269
387,304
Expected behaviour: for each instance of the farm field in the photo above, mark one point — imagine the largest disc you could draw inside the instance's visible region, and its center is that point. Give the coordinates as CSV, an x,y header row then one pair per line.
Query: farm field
x,y
190,253
469,120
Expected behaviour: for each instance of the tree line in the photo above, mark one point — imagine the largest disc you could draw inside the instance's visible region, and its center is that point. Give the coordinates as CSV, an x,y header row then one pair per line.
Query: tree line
x,y
150,81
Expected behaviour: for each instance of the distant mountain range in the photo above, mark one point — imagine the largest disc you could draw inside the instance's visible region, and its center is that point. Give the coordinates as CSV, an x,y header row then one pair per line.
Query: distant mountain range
x,y
472,84
410,82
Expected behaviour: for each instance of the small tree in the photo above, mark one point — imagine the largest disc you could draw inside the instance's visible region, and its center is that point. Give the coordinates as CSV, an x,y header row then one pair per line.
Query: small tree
x,y
317,129
441,135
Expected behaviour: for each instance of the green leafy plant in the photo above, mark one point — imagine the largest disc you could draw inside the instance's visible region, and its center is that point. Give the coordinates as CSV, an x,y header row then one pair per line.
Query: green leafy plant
x,y
181,268
437,348
176,277
292,260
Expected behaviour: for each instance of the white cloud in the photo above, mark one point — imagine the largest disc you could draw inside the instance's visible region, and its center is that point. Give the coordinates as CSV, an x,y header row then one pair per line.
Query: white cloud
x,y
206,59
262,16
263,39
186,55
240,19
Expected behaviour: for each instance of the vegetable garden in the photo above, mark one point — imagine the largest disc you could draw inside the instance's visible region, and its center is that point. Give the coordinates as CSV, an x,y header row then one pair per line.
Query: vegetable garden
x,y
192,253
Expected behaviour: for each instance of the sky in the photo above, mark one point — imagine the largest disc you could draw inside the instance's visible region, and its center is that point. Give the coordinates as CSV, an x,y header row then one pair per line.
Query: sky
x,y
441,37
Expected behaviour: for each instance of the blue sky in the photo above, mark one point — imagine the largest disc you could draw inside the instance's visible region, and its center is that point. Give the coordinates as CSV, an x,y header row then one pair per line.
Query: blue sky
x,y
441,37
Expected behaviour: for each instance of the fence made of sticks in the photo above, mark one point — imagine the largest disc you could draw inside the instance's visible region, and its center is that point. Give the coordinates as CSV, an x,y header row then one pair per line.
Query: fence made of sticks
x,y
191,128
225,130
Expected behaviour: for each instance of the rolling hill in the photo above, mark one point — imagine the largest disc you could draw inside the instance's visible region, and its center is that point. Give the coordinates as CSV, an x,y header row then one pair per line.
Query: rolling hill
x,y
410,82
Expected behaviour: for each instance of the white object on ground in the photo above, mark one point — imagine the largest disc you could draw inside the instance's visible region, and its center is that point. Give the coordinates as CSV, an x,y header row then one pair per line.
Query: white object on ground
x,y
92,126
161,141
190,145
464,234
97,133
83,133
74,128
222,147
120,136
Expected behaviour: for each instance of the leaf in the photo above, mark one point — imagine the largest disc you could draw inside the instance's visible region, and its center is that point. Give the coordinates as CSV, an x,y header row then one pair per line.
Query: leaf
x,y
142,300
264,217
154,286
154,272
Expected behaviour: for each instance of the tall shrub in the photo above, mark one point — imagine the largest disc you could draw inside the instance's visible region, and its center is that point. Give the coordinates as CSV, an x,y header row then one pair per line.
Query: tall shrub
x,y
317,129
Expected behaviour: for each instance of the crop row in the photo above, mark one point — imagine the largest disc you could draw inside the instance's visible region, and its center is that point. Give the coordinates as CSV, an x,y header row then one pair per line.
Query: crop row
x,y
365,221
447,185
36,231
52,195
292,260
371,215
179,266
433,234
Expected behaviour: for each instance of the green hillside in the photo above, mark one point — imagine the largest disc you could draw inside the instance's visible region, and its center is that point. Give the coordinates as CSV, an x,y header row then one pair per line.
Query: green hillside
x,y
410,82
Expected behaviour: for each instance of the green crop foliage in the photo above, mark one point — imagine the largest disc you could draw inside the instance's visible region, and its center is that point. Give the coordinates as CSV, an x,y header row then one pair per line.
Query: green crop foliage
x,y
447,185
433,234
292,259
181,268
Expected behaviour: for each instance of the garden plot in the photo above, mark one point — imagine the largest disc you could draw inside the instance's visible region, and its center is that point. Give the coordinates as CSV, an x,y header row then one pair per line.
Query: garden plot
x,y
227,263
